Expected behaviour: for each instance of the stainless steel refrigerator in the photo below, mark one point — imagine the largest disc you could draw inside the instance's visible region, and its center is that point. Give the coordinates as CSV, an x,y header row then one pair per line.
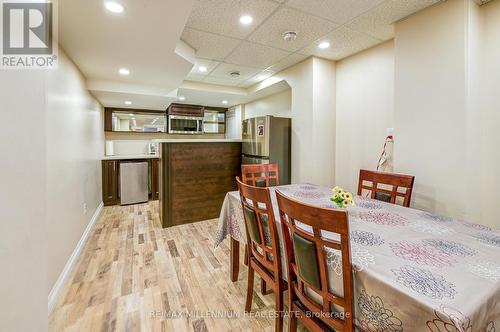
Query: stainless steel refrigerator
x,y
267,139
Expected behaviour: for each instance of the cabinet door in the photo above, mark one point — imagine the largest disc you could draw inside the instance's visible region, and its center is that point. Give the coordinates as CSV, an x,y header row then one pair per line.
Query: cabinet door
x,y
155,178
214,122
110,182
179,109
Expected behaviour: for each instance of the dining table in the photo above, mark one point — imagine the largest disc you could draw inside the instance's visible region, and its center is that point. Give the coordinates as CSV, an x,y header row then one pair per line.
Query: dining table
x,y
412,270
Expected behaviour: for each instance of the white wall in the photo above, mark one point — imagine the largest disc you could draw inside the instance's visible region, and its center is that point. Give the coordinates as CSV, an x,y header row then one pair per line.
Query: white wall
x,y
436,86
75,146
447,108
279,105
365,109
23,255
233,122
130,147
322,151
312,85
431,106
488,91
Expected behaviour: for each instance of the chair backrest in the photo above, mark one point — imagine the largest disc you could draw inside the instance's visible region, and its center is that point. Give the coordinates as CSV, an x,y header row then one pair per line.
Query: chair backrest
x,y
304,242
261,229
397,181
261,175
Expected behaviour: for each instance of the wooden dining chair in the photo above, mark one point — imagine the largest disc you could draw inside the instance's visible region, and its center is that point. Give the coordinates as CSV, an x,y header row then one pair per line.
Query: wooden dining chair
x,y
310,298
396,181
263,245
261,175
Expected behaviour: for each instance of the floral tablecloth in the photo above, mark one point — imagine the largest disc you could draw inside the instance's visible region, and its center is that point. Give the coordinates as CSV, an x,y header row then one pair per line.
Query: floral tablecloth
x,y
413,271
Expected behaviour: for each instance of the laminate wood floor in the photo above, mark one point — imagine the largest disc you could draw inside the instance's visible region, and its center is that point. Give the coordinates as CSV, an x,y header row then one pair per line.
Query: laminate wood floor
x,y
134,275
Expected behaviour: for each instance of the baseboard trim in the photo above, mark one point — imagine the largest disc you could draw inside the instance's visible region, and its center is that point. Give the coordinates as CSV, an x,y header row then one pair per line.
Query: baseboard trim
x,y
70,264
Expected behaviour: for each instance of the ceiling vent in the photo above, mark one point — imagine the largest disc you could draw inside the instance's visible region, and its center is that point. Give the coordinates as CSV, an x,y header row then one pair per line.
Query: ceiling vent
x,y
289,36
234,74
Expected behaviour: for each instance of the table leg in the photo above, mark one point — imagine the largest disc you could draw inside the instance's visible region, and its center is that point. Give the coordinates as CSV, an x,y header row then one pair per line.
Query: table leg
x,y
235,260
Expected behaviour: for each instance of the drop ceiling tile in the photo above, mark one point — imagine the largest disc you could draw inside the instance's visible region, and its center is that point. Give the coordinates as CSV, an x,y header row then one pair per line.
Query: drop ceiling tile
x,y
257,78
209,64
289,61
223,70
255,55
208,45
379,21
343,42
338,11
221,81
308,28
195,77
247,83
222,16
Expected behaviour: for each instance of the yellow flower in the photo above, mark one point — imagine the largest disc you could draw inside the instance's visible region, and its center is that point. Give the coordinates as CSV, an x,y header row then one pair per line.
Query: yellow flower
x,y
336,189
348,196
336,196
348,202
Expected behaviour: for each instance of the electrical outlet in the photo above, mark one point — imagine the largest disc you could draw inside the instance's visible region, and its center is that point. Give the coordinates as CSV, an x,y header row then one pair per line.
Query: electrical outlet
x,y
84,208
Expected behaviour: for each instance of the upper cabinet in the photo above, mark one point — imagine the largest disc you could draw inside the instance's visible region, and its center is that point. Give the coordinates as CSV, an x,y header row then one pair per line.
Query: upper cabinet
x,y
214,121
177,119
135,121
182,109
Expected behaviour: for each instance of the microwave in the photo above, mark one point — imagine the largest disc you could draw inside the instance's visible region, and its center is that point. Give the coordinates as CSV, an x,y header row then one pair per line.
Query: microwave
x,y
184,124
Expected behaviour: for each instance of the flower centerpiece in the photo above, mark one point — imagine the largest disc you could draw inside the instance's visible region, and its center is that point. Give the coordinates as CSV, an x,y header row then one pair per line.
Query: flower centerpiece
x,y
342,198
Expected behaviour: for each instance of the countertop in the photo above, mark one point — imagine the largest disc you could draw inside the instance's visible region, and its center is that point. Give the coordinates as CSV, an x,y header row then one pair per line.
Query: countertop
x,y
196,140
131,156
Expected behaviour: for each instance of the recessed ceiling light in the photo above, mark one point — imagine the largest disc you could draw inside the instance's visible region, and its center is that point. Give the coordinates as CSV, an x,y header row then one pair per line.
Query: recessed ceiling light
x,y
128,102
182,98
324,45
114,7
202,69
124,71
224,102
246,19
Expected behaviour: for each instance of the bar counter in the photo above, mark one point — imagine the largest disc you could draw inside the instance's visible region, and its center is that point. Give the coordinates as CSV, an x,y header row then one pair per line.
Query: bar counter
x,y
195,175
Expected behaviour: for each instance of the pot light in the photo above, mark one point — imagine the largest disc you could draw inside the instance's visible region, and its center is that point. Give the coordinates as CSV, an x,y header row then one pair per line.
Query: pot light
x,y
128,102
124,71
324,45
246,19
202,69
114,7
224,102
182,98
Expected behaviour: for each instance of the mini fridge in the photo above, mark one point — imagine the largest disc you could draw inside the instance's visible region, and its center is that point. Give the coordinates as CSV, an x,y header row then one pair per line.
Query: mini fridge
x,y
133,182
267,139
